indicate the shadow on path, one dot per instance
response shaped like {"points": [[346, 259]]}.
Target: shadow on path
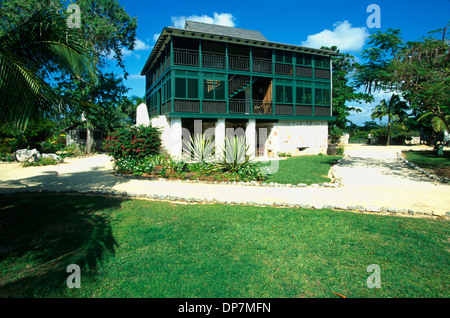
{"points": [[95, 178]]}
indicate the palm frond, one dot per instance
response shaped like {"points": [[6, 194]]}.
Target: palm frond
{"points": [[30, 54]]}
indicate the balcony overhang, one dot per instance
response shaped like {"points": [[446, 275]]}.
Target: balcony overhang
{"points": [[168, 32]]}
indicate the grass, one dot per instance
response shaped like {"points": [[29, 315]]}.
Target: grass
{"points": [[430, 160], [304, 169], [139, 248]]}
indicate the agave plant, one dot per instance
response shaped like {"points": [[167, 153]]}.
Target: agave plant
{"points": [[201, 147], [235, 155], [30, 54]]}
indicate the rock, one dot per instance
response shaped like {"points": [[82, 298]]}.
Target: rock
{"points": [[25, 155], [52, 156]]}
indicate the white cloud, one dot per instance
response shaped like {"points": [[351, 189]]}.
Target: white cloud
{"points": [[225, 19], [136, 77], [344, 36], [139, 45]]}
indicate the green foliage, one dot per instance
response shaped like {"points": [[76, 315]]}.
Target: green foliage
{"points": [[423, 73], [134, 142], [53, 144], [73, 150], [7, 157], [344, 89], [394, 109], [377, 73], [41, 162], [29, 56]]}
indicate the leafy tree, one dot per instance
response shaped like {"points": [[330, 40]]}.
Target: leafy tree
{"points": [[31, 53], [394, 109], [344, 91], [377, 73], [422, 70], [106, 29], [418, 70]]}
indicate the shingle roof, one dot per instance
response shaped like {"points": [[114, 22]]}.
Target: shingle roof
{"points": [[224, 30]]}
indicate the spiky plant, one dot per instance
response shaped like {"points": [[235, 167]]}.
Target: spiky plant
{"points": [[201, 147]]}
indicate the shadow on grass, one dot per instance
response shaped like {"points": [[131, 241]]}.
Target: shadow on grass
{"points": [[41, 235]]}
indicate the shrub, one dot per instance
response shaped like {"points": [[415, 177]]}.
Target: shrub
{"points": [[73, 150], [7, 157], [201, 147], [134, 142], [234, 156]]}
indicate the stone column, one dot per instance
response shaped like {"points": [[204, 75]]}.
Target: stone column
{"points": [[220, 137], [250, 136], [175, 137]]}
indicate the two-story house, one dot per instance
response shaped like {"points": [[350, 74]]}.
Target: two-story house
{"points": [[221, 79]]}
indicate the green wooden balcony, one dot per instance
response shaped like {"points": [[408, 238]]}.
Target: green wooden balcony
{"points": [[241, 108]]}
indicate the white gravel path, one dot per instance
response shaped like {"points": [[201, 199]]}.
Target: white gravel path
{"points": [[373, 180]]}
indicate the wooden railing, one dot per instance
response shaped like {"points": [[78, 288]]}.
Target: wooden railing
{"points": [[238, 63], [284, 69], [186, 57], [262, 65], [246, 107], [214, 107], [239, 106], [214, 60], [322, 111], [303, 71], [262, 107], [187, 106], [284, 109]]}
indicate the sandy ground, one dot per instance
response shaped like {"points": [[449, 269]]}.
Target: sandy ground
{"points": [[372, 177]]}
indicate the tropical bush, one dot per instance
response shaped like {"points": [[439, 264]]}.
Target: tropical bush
{"points": [[135, 142], [235, 164]]}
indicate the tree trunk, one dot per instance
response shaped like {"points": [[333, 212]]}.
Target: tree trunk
{"points": [[389, 131], [89, 138]]}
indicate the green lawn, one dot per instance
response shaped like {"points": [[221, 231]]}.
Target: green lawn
{"points": [[430, 160], [138, 248], [304, 169]]}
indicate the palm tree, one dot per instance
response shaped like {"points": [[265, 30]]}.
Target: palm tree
{"points": [[394, 109], [30, 55]]}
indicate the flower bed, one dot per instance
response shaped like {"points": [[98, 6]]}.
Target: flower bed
{"points": [[160, 166]]}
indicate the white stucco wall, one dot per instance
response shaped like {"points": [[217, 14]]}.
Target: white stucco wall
{"points": [[288, 135], [170, 139], [285, 136]]}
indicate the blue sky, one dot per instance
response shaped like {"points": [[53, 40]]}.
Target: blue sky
{"points": [[298, 22]]}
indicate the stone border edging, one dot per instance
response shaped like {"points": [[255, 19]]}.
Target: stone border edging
{"points": [[349, 208], [428, 174]]}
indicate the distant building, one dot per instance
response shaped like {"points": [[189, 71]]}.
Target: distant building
{"points": [[224, 78], [76, 135]]}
